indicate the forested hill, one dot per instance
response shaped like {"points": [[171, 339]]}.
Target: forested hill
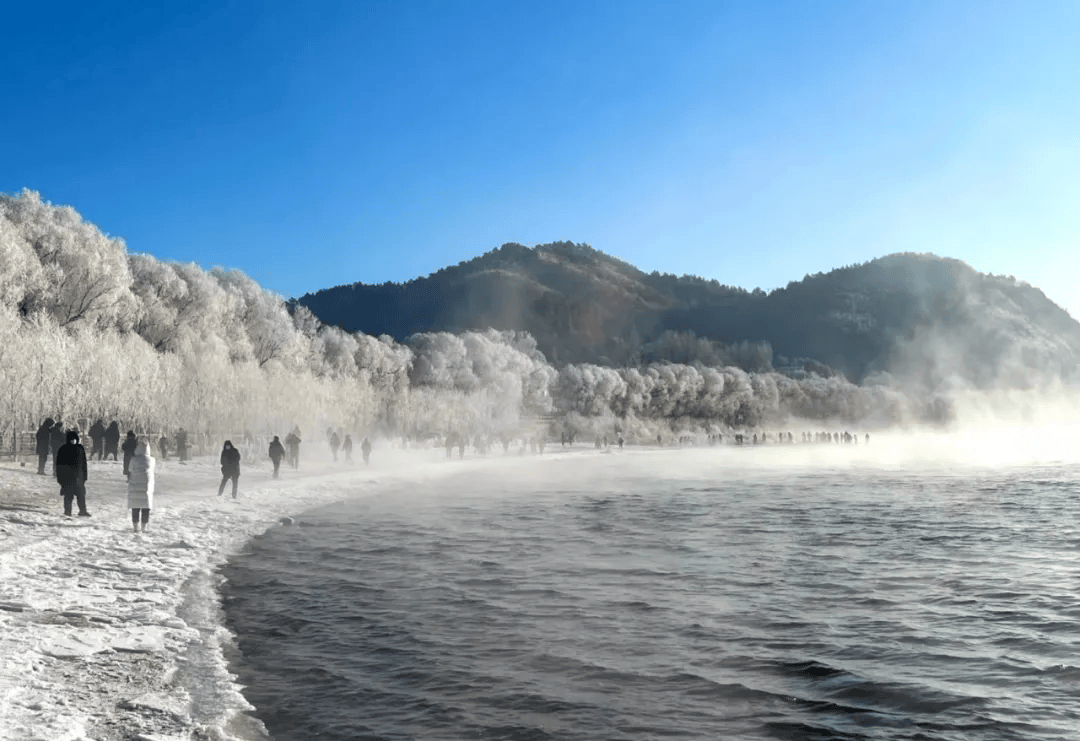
{"points": [[919, 316]]}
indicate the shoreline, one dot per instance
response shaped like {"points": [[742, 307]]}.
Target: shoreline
{"points": [[111, 635]]}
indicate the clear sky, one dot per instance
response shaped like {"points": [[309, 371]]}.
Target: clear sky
{"points": [[313, 144]]}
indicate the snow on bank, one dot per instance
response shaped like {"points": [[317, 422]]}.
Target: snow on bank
{"points": [[111, 635], [108, 634]]}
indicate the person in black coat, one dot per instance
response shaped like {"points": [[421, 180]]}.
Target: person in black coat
{"points": [[112, 440], [181, 444], [71, 473], [277, 452], [130, 442], [42, 446], [293, 441], [230, 467], [56, 441], [97, 439]]}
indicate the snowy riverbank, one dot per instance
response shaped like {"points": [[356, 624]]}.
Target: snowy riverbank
{"points": [[107, 634], [111, 635]]}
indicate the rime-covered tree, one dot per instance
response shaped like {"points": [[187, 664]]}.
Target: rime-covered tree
{"points": [[84, 274]]}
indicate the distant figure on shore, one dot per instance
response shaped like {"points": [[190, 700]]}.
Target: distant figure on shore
{"points": [[230, 467], [43, 446], [181, 445], [163, 447], [365, 449], [346, 448], [140, 489], [112, 440], [451, 440], [71, 473], [292, 442], [130, 443], [97, 439], [335, 443], [277, 452], [56, 440]]}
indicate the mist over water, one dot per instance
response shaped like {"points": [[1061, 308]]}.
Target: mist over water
{"points": [[806, 592]]}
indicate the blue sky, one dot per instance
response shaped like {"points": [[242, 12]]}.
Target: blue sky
{"points": [[312, 144]]}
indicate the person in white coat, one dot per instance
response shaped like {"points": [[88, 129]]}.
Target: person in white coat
{"points": [[141, 485]]}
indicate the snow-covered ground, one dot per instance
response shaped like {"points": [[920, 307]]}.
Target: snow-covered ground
{"points": [[108, 634], [111, 635]]}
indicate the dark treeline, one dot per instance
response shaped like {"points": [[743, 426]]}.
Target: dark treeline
{"points": [[923, 317]]}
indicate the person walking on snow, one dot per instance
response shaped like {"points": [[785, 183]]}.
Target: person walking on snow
{"points": [[71, 473], [365, 448], [140, 490], [97, 439], [230, 467], [346, 447], [277, 452], [130, 443], [335, 443], [42, 438], [293, 441], [112, 440], [181, 444]]}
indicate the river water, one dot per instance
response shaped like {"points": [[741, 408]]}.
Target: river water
{"points": [[690, 595]]}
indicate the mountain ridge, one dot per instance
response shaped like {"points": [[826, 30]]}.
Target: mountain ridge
{"points": [[927, 318]]}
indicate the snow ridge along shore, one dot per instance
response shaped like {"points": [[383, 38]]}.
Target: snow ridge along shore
{"points": [[110, 635]]}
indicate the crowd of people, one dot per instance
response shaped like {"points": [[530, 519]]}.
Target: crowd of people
{"points": [[69, 460], [70, 469]]}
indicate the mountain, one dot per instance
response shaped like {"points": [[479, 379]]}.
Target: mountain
{"points": [[924, 318]]}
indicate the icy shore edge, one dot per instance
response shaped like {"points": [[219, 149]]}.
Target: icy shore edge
{"points": [[108, 634]]}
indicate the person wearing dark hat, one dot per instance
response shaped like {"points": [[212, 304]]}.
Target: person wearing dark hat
{"points": [[71, 473], [277, 452], [230, 467]]}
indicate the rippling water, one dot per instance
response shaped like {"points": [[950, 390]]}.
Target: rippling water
{"points": [[613, 600]]}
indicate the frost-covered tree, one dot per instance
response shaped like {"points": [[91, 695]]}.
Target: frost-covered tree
{"points": [[269, 327], [84, 273], [20, 270], [159, 292], [89, 331]]}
